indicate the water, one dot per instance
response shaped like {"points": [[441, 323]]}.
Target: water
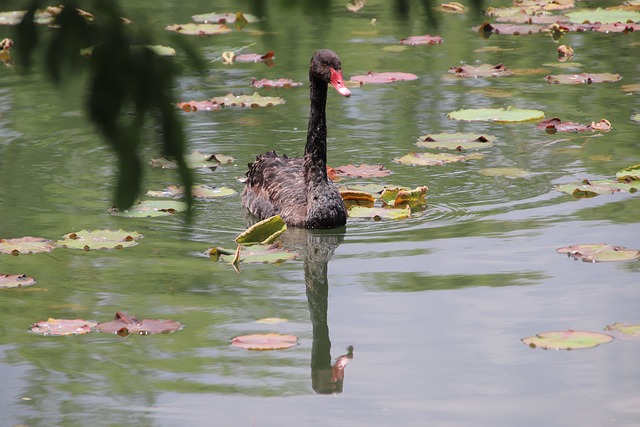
{"points": [[434, 306]]}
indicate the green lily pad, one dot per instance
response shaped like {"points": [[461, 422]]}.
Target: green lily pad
{"points": [[162, 50], [632, 173], [198, 29], [429, 159], [583, 78], [483, 70], [26, 245], [373, 189], [152, 208], [100, 239], [255, 254], [224, 18], [498, 115], [567, 340], [592, 188], [195, 160], [15, 280], [271, 341], [636, 117], [599, 252], [378, 213], [455, 141], [624, 330], [505, 172], [263, 232], [401, 196], [603, 16], [198, 191], [61, 327]]}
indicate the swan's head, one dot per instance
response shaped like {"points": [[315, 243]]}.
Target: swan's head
{"points": [[325, 65]]}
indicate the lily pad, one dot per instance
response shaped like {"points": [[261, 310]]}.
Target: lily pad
{"points": [[401, 197], [634, 87], [255, 254], [567, 340], [379, 213], [26, 245], [272, 320], [100, 239], [372, 77], [231, 100], [417, 40], [374, 189], [15, 280], [498, 115], [361, 198], [553, 125], [506, 172], [263, 342], [162, 50], [195, 160], [152, 208], [484, 70], [253, 57], [591, 188], [429, 159], [60, 327], [455, 141], [123, 324], [632, 173], [584, 78], [198, 191], [624, 330], [599, 252], [224, 18], [267, 83], [510, 29], [263, 232], [362, 171], [198, 29], [603, 16]]}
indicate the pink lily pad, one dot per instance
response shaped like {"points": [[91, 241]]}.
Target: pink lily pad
{"points": [[231, 100], [553, 125], [253, 57], [600, 252], [59, 327], [362, 171], [15, 280], [224, 18], [26, 245], [285, 83], [417, 40], [123, 324], [263, 342], [372, 77], [567, 340], [511, 29]]}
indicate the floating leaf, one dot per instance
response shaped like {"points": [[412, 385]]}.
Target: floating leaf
{"points": [[584, 78], [254, 254], [452, 7], [231, 100], [455, 141], [59, 327], [254, 57], [599, 252], [355, 5], [123, 324], [378, 214], [195, 160], [263, 232], [484, 70], [634, 87], [624, 330], [400, 196], [567, 340], [372, 77], [362, 171], [26, 245], [511, 29], [603, 16], [285, 83], [162, 50], [632, 173], [361, 198], [429, 159], [505, 172], [15, 280], [498, 115], [270, 341], [152, 208], [100, 239], [272, 320], [591, 188], [197, 191], [373, 189], [416, 40], [198, 29], [224, 18]]}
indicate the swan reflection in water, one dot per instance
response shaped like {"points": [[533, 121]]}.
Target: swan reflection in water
{"points": [[317, 248]]}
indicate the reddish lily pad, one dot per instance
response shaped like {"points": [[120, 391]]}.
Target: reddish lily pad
{"points": [[379, 213], [484, 70], [224, 18], [599, 252], [263, 342], [417, 40], [284, 83], [510, 29], [197, 191], [372, 77], [553, 125], [362, 171], [60, 327], [26, 245], [498, 115], [100, 239], [567, 340], [151, 208], [195, 160], [231, 100], [15, 280], [123, 324], [198, 29], [429, 159], [584, 78], [253, 57], [360, 198], [401, 196], [263, 232], [591, 188], [632, 173], [455, 141], [624, 330]]}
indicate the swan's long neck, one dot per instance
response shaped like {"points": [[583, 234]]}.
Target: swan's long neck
{"points": [[315, 151]]}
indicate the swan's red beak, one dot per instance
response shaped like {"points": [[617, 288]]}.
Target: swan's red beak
{"points": [[338, 83]]}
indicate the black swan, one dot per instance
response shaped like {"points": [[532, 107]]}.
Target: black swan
{"points": [[298, 189]]}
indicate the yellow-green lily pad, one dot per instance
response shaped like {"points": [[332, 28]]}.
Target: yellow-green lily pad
{"points": [[583, 78], [506, 172], [379, 213], [198, 29], [592, 188], [100, 239], [429, 159], [599, 252], [26, 245], [632, 173], [624, 330], [195, 160], [603, 16], [15, 280], [152, 208], [224, 18], [197, 191], [254, 254], [567, 340], [455, 141], [401, 196], [263, 232], [262, 342], [498, 115]]}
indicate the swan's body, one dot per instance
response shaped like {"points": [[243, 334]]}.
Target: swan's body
{"points": [[298, 189]]}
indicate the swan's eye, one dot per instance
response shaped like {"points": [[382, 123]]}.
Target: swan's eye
{"points": [[325, 64]]}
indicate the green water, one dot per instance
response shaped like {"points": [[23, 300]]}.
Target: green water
{"points": [[434, 306]]}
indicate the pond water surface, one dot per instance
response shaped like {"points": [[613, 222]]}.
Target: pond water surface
{"points": [[434, 306]]}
